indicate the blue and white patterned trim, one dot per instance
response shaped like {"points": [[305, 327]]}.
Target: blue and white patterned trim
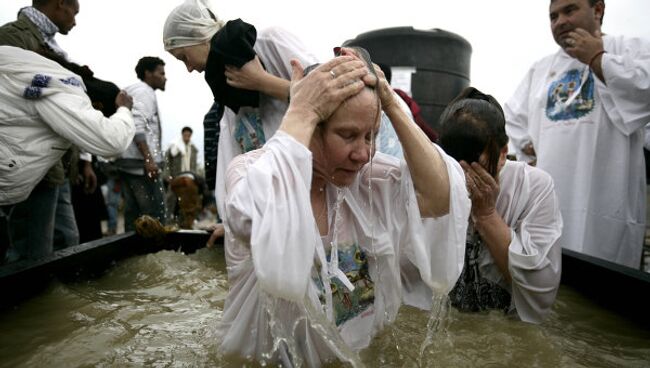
{"points": [[71, 81], [41, 80], [35, 90], [32, 93]]}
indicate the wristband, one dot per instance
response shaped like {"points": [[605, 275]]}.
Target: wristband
{"points": [[595, 56]]}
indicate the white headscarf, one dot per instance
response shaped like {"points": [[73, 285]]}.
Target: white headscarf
{"points": [[189, 24]]}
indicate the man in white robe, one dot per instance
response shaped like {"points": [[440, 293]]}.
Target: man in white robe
{"points": [[584, 109]]}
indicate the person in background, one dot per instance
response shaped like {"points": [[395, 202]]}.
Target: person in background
{"points": [[180, 159], [247, 72], [88, 202], [512, 259], [181, 155], [35, 30], [583, 109], [44, 109], [140, 165]]}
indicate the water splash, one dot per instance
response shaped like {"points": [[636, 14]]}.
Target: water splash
{"points": [[437, 327]]}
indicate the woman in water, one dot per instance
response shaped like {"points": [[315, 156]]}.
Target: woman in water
{"points": [[512, 261], [324, 237]]}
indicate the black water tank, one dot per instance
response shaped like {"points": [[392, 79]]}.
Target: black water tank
{"points": [[441, 60]]}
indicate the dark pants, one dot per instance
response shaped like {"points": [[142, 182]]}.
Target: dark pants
{"points": [[142, 196]]}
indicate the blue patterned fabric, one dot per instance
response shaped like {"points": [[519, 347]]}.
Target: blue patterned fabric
{"points": [[248, 130], [32, 93], [41, 80], [71, 81]]}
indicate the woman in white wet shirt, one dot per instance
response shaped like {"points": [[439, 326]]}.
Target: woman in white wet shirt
{"points": [[324, 241], [512, 259]]}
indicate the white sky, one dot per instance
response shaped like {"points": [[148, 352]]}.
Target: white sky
{"points": [[507, 36]]}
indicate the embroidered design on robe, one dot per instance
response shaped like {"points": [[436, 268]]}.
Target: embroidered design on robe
{"points": [[571, 96], [248, 131], [349, 304]]}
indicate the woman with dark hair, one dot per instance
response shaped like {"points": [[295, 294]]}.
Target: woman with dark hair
{"points": [[512, 262]]}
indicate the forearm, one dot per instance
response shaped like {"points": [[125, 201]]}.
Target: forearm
{"points": [[597, 67], [275, 87], [144, 150], [300, 124], [427, 167], [497, 236]]}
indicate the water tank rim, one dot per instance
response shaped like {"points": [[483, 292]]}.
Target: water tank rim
{"points": [[410, 31]]}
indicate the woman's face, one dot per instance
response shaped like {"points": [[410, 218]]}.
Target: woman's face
{"points": [[342, 144], [195, 57]]}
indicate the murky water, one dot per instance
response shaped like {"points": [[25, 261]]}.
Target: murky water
{"points": [[157, 311]]}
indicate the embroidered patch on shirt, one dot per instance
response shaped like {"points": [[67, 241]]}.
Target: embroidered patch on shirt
{"points": [[248, 131], [41, 80], [349, 304], [32, 93], [72, 81], [571, 96]]}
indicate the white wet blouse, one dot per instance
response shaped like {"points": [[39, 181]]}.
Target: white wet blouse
{"points": [[378, 253], [528, 204]]}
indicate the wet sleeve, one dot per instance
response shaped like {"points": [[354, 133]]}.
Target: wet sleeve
{"points": [[534, 259], [517, 114], [627, 75], [268, 206], [436, 246]]}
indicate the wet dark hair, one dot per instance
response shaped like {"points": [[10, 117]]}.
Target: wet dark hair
{"points": [[147, 63], [471, 124], [187, 129]]}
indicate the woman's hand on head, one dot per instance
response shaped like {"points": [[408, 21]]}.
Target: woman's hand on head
{"points": [[321, 92], [379, 81], [384, 89]]}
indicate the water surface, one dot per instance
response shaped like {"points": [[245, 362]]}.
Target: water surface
{"points": [[158, 310]]}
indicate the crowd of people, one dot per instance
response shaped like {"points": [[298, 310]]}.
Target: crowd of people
{"points": [[339, 203]]}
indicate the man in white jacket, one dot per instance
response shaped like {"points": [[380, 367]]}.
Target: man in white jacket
{"points": [[43, 110], [584, 109]]}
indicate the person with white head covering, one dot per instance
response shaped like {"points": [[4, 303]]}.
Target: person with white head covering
{"points": [[248, 73]]}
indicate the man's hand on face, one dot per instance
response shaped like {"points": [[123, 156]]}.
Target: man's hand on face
{"points": [[582, 45]]}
